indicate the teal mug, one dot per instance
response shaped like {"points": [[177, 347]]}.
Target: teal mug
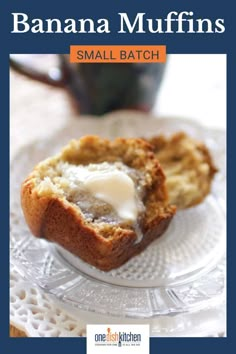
{"points": [[101, 88]]}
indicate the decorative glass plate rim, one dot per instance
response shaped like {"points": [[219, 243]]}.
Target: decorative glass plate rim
{"points": [[176, 304]]}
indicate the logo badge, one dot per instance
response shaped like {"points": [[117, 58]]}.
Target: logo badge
{"points": [[134, 339]]}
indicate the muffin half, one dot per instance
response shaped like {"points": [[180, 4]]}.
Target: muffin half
{"points": [[102, 200], [188, 167]]}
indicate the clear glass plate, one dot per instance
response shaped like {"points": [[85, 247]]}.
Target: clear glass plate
{"points": [[182, 271]]}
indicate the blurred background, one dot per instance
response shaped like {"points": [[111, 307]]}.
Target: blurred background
{"points": [[191, 86]]}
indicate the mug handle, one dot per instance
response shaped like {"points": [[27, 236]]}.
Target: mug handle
{"points": [[34, 74]]}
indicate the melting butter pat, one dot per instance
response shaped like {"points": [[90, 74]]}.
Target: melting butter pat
{"points": [[108, 183], [115, 188]]}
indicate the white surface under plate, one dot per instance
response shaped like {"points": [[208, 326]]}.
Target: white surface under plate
{"points": [[179, 274]]}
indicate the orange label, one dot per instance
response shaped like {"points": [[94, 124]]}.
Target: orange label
{"points": [[117, 54]]}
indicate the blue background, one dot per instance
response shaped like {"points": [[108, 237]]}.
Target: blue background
{"points": [[59, 43]]}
